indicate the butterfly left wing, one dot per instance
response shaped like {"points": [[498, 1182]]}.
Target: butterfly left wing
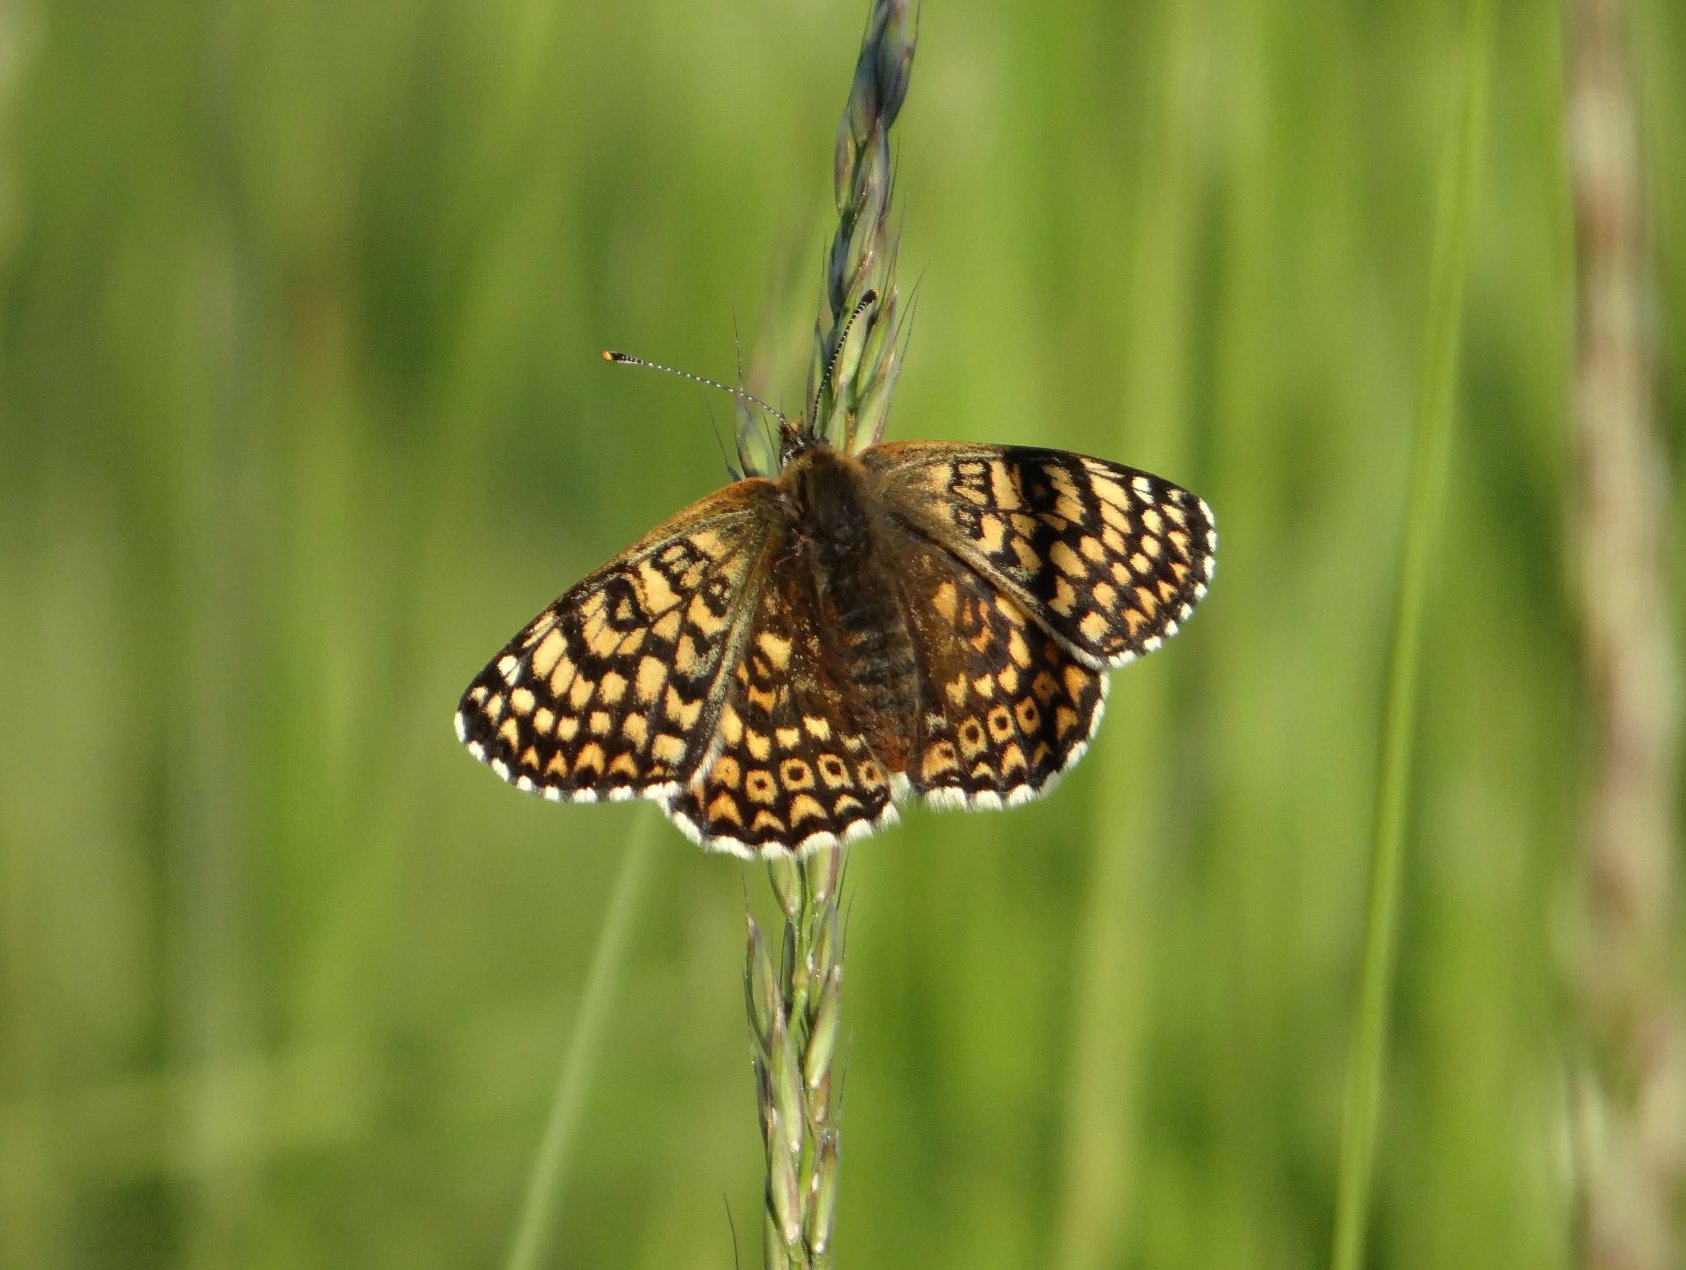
{"points": [[613, 690], [790, 768], [1107, 558]]}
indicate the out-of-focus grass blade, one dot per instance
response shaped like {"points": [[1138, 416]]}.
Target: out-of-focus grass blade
{"points": [[1449, 268]]}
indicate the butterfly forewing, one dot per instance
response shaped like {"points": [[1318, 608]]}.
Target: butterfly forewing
{"points": [[1108, 558], [613, 690]]}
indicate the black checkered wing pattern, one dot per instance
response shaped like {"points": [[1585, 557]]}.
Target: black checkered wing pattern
{"points": [[614, 690], [790, 768], [1108, 559], [1005, 708]]}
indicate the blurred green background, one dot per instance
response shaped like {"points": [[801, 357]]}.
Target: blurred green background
{"points": [[300, 307]]}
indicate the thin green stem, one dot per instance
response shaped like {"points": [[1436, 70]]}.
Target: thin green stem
{"points": [[1455, 212], [535, 1230]]}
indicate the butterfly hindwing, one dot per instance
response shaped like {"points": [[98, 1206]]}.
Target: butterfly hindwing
{"points": [[790, 768], [1004, 707]]}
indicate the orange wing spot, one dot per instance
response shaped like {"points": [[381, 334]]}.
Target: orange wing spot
{"points": [[1135, 619], [1029, 561], [1008, 676], [666, 627], [817, 727], [1152, 521], [971, 738], [1179, 540], [636, 728], [510, 732], [684, 713], [760, 786], [1113, 518], [1065, 719], [668, 748], [579, 692], [590, 758], [567, 728], [1093, 626], [598, 724], [651, 676], [871, 776], [654, 590], [1000, 723], [725, 810], [992, 533], [623, 765], [766, 822], [956, 690], [1091, 548], [709, 543], [730, 725], [544, 719], [1177, 515], [1028, 715], [1105, 594], [726, 772], [1069, 507], [1018, 650], [521, 700], [494, 707], [805, 807], [558, 766], [509, 665], [1064, 599], [1144, 597], [612, 688], [1045, 686], [788, 738], [940, 759], [1180, 571], [775, 648], [984, 686], [759, 745], [1167, 590], [530, 758], [1013, 759], [477, 694], [845, 804], [763, 699], [1076, 682], [946, 601], [796, 774], [1066, 560]]}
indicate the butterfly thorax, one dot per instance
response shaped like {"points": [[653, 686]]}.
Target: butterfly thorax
{"points": [[842, 540]]}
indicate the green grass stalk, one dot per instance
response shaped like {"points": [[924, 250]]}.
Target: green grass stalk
{"points": [[1459, 179], [535, 1228], [795, 1009]]}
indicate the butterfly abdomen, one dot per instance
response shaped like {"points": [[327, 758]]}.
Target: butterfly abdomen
{"points": [[855, 581]]}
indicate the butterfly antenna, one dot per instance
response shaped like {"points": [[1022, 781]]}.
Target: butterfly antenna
{"points": [[627, 359], [865, 303]]}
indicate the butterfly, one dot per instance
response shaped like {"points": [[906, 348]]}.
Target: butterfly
{"points": [[783, 660]]}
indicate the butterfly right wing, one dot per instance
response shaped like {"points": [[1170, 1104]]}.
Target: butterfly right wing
{"points": [[613, 691], [1107, 558]]}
